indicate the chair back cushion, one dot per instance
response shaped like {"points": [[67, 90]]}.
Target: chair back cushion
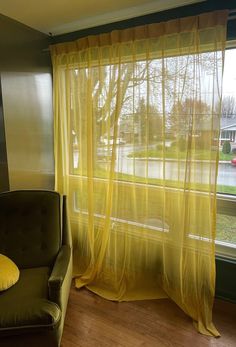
{"points": [[30, 227]]}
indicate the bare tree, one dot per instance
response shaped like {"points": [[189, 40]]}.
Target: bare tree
{"points": [[150, 122], [109, 91], [186, 116], [228, 107]]}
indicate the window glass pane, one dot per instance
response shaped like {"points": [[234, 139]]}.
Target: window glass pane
{"points": [[227, 165], [145, 128], [226, 228], [147, 138], [226, 223]]}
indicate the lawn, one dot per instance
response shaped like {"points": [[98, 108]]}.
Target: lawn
{"points": [[226, 228], [119, 176], [174, 154]]}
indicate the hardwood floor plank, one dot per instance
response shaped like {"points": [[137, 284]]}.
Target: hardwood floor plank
{"points": [[92, 321]]}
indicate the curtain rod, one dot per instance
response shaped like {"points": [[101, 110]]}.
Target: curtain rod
{"points": [[232, 14]]}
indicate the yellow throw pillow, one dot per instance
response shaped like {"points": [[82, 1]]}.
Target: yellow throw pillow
{"points": [[9, 273]]}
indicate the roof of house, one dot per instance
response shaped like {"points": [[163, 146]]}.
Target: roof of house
{"points": [[228, 123]]}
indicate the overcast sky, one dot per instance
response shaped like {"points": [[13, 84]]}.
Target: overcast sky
{"points": [[229, 79]]}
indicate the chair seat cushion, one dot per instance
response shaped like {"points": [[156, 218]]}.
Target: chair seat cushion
{"points": [[25, 306]]}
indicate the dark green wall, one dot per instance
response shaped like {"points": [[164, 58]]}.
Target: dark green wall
{"points": [[4, 181], [26, 80], [226, 279], [22, 58], [22, 47]]}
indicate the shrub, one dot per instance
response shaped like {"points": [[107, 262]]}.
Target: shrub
{"points": [[179, 144], [159, 147], [182, 144], [226, 149], [234, 150]]}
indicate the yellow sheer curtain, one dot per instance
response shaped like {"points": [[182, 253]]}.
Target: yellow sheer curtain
{"points": [[136, 152]]}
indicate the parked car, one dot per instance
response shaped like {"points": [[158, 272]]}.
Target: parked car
{"points": [[233, 161], [119, 141]]}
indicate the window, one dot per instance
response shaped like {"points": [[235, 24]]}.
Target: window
{"points": [[137, 140], [146, 128], [226, 216]]}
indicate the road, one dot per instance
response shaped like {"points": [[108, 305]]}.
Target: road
{"points": [[172, 170]]}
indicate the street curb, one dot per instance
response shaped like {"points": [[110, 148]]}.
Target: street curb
{"points": [[180, 160]]}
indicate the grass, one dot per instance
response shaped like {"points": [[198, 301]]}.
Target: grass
{"points": [[225, 226], [226, 189], [123, 177], [227, 157], [174, 154]]}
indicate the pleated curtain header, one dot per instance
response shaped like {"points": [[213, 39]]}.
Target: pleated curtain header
{"points": [[149, 31]]}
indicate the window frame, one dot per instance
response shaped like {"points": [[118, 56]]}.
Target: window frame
{"points": [[226, 204]]}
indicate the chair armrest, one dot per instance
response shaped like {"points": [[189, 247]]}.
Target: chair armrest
{"points": [[59, 271]]}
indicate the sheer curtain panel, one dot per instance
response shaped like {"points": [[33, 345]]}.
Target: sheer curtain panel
{"points": [[136, 152]]}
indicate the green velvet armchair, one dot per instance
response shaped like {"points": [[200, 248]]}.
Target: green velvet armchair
{"points": [[34, 234]]}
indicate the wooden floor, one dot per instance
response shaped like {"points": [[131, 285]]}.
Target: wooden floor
{"points": [[94, 322]]}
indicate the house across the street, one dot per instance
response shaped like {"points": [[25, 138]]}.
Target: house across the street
{"points": [[228, 129]]}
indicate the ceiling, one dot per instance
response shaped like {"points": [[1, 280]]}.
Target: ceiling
{"points": [[63, 16]]}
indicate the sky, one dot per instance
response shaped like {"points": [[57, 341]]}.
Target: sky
{"points": [[229, 77]]}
